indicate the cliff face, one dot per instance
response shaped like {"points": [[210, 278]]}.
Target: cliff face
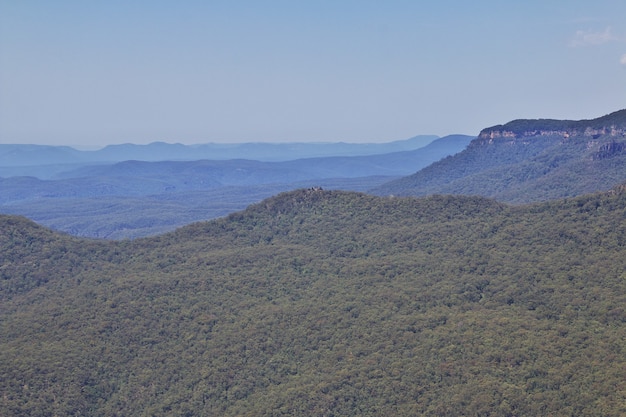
{"points": [[610, 149], [589, 132], [611, 125], [528, 161]]}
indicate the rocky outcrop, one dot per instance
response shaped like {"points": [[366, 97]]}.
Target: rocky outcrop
{"points": [[609, 150], [611, 125]]}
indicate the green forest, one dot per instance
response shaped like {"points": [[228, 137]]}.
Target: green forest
{"points": [[324, 303]]}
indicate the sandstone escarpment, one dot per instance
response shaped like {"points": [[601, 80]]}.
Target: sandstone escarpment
{"points": [[611, 125]]}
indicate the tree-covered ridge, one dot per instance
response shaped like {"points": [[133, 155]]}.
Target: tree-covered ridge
{"points": [[327, 303], [611, 123]]}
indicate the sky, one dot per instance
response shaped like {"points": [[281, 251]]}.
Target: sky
{"points": [[92, 73]]}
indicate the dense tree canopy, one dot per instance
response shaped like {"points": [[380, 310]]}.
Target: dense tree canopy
{"points": [[324, 303]]}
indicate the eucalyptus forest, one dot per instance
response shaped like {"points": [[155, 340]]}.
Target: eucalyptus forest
{"points": [[324, 303]]}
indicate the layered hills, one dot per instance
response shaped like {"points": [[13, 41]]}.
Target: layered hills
{"points": [[529, 160], [46, 161], [137, 198], [320, 302]]}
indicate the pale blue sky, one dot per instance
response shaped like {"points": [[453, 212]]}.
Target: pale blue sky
{"points": [[101, 72]]}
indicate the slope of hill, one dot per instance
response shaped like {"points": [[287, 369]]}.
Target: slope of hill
{"points": [[324, 303], [529, 160], [136, 198]]}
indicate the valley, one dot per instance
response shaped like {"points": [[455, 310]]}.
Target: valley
{"points": [[489, 282], [136, 198]]}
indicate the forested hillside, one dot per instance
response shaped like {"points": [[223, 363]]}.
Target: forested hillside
{"points": [[528, 161], [324, 303]]}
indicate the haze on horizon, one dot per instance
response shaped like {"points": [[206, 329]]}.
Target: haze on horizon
{"points": [[97, 73]]}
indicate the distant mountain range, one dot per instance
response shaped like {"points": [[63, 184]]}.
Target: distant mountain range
{"points": [[216, 173], [527, 161], [45, 161], [138, 198]]}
